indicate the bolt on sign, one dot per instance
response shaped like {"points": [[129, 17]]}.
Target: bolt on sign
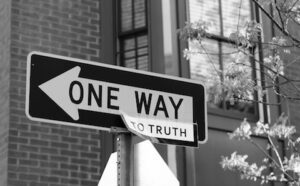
{"points": [[75, 92]]}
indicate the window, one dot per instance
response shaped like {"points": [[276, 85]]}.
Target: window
{"points": [[133, 34], [216, 52]]}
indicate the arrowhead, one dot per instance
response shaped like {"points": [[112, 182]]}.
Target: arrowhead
{"points": [[57, 89]]}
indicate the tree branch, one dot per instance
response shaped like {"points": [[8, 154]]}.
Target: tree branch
{"points": [[275, 23], [279, 14], [272, 159], [276, 152]]}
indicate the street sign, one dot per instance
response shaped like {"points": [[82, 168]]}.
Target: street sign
{"points": [[81, 93], [162, 131]]}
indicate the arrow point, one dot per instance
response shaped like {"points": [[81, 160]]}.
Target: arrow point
{"points": [[57, 89], [75, 115]]}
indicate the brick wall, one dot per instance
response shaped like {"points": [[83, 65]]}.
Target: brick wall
{"points": [[4, 86], [48, 154]]}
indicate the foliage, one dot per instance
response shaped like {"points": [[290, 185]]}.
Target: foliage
{"points": [[235, 80], [284, 169], [235, 84]]}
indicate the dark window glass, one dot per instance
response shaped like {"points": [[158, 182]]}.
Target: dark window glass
{"points": [[135, 52], [133, 34]]}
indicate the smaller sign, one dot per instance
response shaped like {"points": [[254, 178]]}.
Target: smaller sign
{"points": [[162, 131], [150, 168], [110, 174]]}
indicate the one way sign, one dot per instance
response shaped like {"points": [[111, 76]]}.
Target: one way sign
{"points": [[82, 93]]}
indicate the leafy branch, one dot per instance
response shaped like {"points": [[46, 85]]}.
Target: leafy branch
{"points": [[287, 167], [234, 82]]}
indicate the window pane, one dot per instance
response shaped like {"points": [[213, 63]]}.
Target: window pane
{"points": [[130, 62], [212, 11], [205, 61], [126, 15], [143, 51], [129, 52], [233, 17], [133, 14], [143, 63], [139, 14], [142, 40], [135, 52], [231, 55], [133, 34], [205, 65], [142, 48], [205, 10], [129, 44]]}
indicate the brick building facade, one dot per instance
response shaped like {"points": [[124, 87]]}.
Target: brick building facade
{"points": [[33, 153], [4, 86]]}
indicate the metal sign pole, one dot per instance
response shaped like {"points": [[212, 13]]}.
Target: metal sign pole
{"points": [[125, 157]]}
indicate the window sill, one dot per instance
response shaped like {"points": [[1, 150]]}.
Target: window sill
{"points": [[234, 114]]}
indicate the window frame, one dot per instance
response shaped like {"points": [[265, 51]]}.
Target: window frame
{"points": [[234, 114], [134, 33]]}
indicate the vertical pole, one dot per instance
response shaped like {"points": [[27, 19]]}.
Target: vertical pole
{"points": [[124, 150]]}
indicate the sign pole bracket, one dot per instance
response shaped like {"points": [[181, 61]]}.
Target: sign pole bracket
{"points": [[119, 130]]}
